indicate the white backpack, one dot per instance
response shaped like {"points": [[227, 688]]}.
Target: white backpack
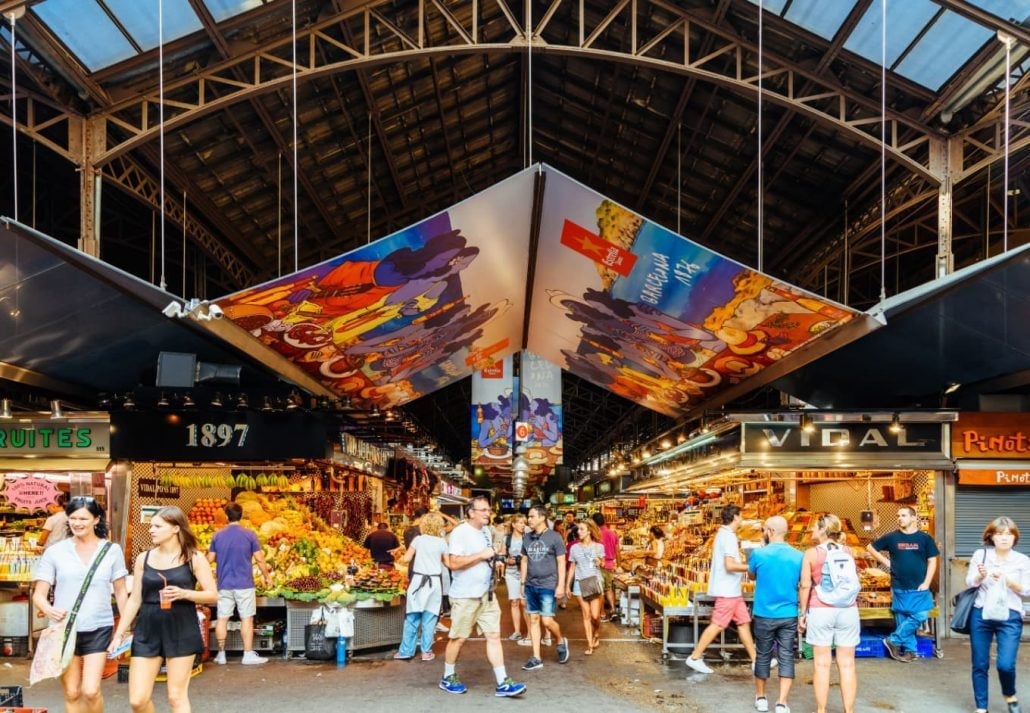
{"points": [[839, 584]]}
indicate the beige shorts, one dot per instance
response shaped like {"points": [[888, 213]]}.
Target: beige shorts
{"points": [[829, 626], [242, 600], [466, 614]]}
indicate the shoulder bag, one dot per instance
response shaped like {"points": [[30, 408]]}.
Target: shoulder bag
{"points": [[56, 644], [962, 606]]}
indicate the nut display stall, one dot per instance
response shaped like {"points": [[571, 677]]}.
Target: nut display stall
{"points": [[861, 467]]}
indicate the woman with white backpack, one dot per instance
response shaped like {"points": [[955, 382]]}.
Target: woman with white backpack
{"points": [[829, 615]]}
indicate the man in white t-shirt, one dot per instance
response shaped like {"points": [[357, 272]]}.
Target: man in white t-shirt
{"points": [[727, 572], [473, 602], [55, 528]]}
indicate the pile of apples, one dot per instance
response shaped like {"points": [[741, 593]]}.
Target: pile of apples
{"points": [[208, 511]]}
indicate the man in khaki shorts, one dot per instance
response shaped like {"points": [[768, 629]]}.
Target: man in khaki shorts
{"points": [[473, 602]]}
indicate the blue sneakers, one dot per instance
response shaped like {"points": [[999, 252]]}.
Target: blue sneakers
{"points": [[563, 651], [451, 684], [508, 689]]}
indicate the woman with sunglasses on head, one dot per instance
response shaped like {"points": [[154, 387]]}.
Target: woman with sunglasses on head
{"points": [[65, 566], [165, 596]]}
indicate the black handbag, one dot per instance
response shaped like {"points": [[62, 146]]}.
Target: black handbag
{"points": [[962, 607], [318, 646]]}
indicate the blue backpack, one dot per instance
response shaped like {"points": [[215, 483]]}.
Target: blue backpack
{"points": [[839, 583]]}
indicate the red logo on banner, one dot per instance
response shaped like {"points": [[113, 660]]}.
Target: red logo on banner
{"points": [[522, 431], [494, 371], [476, 359], [597, 248]]}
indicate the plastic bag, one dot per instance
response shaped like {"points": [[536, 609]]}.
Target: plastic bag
{"points": [[996, 601], [54, 651], [332, 624], [346, 618]]}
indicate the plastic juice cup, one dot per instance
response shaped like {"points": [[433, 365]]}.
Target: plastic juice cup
{"points": [[166, 602]]}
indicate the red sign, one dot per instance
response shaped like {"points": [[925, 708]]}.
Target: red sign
{"points": [[991, 435], [494, 371], [522, 431], [641, 501], [31, 492], [597, 248], [995, 476]]}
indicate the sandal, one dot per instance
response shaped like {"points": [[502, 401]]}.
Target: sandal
{"points": [[428, 656], [596, 642], [401, 657], [588, 652]]}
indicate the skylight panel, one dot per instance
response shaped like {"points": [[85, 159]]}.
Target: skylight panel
{"points": [[819, 16], [139, 18], [905, 20], [945, 47], [86, 30], [773, 6], [1018, 10], [224, 9]]}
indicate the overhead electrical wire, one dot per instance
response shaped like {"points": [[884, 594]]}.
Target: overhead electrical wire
{"points": [[161, 128]]}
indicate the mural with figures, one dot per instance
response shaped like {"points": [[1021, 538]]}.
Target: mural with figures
{"points": [[652, 316], [493, 421], [410, 313], [616, 299]]}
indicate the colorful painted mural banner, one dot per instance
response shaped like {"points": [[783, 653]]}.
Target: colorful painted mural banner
{"points": [[540, 409], [493, 415]]}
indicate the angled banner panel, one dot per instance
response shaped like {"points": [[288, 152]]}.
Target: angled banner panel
{"points": [[540, 409], [410, 313], [654, 317], [493, 390]]}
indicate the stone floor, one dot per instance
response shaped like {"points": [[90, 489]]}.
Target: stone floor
{"points": [[625, 674]]}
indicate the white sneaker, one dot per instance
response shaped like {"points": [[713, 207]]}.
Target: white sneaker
{"points": [[773, 663], [525, 641], [219, 658], [781, 708], [442, 629], [699, 665], [250, 658], [546, 641], [762, 704]]}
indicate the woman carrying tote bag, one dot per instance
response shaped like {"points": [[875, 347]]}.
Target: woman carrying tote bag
{"points": [[1002, 576]]}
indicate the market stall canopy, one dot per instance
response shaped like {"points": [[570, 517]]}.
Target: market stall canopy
{"points": [[74, 324], [948, 342], [538, 262]]}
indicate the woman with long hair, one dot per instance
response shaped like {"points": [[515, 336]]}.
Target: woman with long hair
{"points": [[656, 546], [585, 560], [827, 625], [64, 567], [425, 590], [997, 564], [512, 560], [165, 596]]}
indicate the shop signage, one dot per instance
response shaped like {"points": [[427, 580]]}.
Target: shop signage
{"points": [[152, 489], [54, 438], [991, 435], [843, 438], [198, 436], [604, 487], [994, 476], [30, 492]]}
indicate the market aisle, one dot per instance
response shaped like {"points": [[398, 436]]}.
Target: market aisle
{"points": [[625, 675]]}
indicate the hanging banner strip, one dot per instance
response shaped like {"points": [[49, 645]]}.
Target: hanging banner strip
{"points": [[492, 414], [540, 409]]}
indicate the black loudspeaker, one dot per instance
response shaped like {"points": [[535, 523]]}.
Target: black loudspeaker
{"points": [[176, 370], [562, 475], [218, 373]]}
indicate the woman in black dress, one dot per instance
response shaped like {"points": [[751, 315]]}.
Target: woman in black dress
{"points": [[165, 595]]}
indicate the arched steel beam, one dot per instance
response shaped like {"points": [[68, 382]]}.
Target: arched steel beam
{"points": [[728, 65]]}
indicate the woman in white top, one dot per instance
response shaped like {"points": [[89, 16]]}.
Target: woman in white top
{"points": [[425, 590], [585, 559], [512, 559], [64, 566], [997, 564]]}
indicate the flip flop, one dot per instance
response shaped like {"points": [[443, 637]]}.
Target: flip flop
{"points": [[588, 652]]}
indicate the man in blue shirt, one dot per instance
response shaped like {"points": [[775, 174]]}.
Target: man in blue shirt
{"points": [[234, 549], [777, 569], [912, 564]]}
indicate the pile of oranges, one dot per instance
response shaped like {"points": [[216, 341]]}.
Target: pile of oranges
{"points": [[208, 511]]}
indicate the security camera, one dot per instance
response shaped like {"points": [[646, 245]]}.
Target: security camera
{"points": [[215, 312], [174, 309]]}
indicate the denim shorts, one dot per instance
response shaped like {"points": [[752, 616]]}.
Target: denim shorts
{"points": [[539, 601]]}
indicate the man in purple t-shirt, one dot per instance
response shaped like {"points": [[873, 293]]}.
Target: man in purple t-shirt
{"points": [[234, 549]]}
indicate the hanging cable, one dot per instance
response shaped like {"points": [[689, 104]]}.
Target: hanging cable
{"points": [[14, 113], [679, 177], [883, 150], [161, 128], [184, 244], [529, 82], [1007, 40], [761, 196], [296, 165], [279, 214], [368, 189]]}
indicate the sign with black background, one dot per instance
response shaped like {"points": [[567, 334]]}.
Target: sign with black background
{"points": [[772, 438], [199, 436]]}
